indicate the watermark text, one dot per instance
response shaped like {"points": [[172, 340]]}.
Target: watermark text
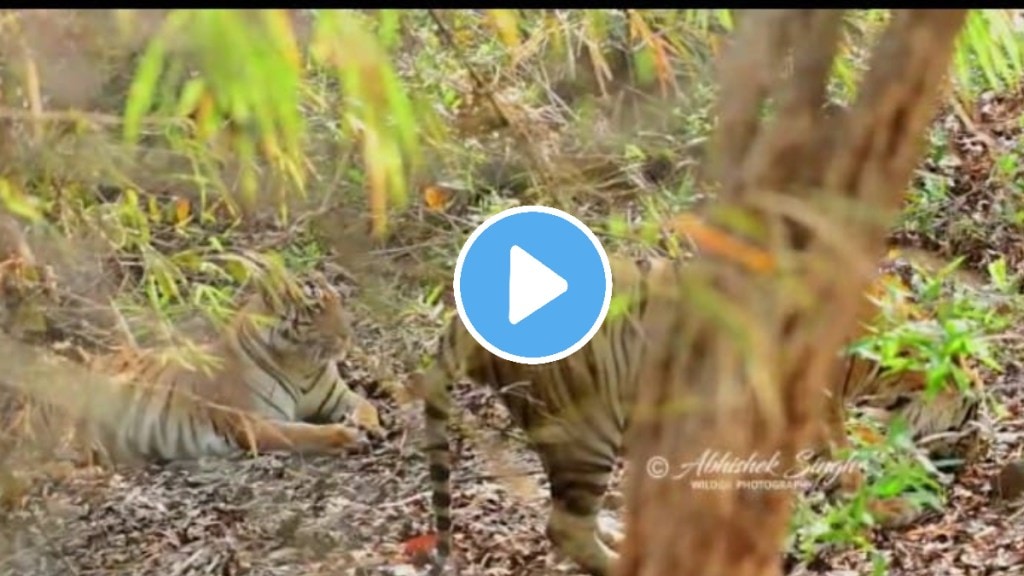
{"points": [[715, 470]]}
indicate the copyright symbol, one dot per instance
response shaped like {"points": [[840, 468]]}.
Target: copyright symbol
{"points": [[657, 467]]}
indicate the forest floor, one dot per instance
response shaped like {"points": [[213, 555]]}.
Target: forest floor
{"points": [[364, 513]]}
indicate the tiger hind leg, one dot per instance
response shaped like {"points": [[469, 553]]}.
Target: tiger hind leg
{"points": [[574, 526]]}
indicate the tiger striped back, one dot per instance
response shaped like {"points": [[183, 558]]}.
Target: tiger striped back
{"points": [[275, 368], [940, 422]]}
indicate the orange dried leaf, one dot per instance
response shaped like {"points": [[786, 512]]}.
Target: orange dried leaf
{"points": [[865, 434], [658, 51], [182, 210], [436, 197], [419, 545], [721, 244]]}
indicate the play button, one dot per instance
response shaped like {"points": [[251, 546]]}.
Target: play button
{"points": [[532, 284]]}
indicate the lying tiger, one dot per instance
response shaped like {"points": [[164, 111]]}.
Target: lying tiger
{"points": [[575, 410], [277, 372]]}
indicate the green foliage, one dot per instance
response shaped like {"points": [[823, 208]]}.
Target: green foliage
{"points": [[990, 52], [936, 326], [249, 73], [242, 77], [947, 326]]}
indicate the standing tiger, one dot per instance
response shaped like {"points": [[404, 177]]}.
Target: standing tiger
{"points": [[275, 368], [575, 412]]}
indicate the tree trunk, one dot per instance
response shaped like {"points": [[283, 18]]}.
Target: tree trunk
{"points": [[750, 341]]}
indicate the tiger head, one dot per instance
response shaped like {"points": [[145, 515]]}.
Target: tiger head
{"points": [[306, 317]]}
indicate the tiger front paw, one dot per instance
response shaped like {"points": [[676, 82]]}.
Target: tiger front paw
{"points": [[344, 438], [895, 512], [610, 531], [367, 418]]}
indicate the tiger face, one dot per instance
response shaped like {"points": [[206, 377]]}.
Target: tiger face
{"points": [[309, 318]]}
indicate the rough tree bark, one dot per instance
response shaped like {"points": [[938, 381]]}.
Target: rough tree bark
{"points": [[747, 348]]}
